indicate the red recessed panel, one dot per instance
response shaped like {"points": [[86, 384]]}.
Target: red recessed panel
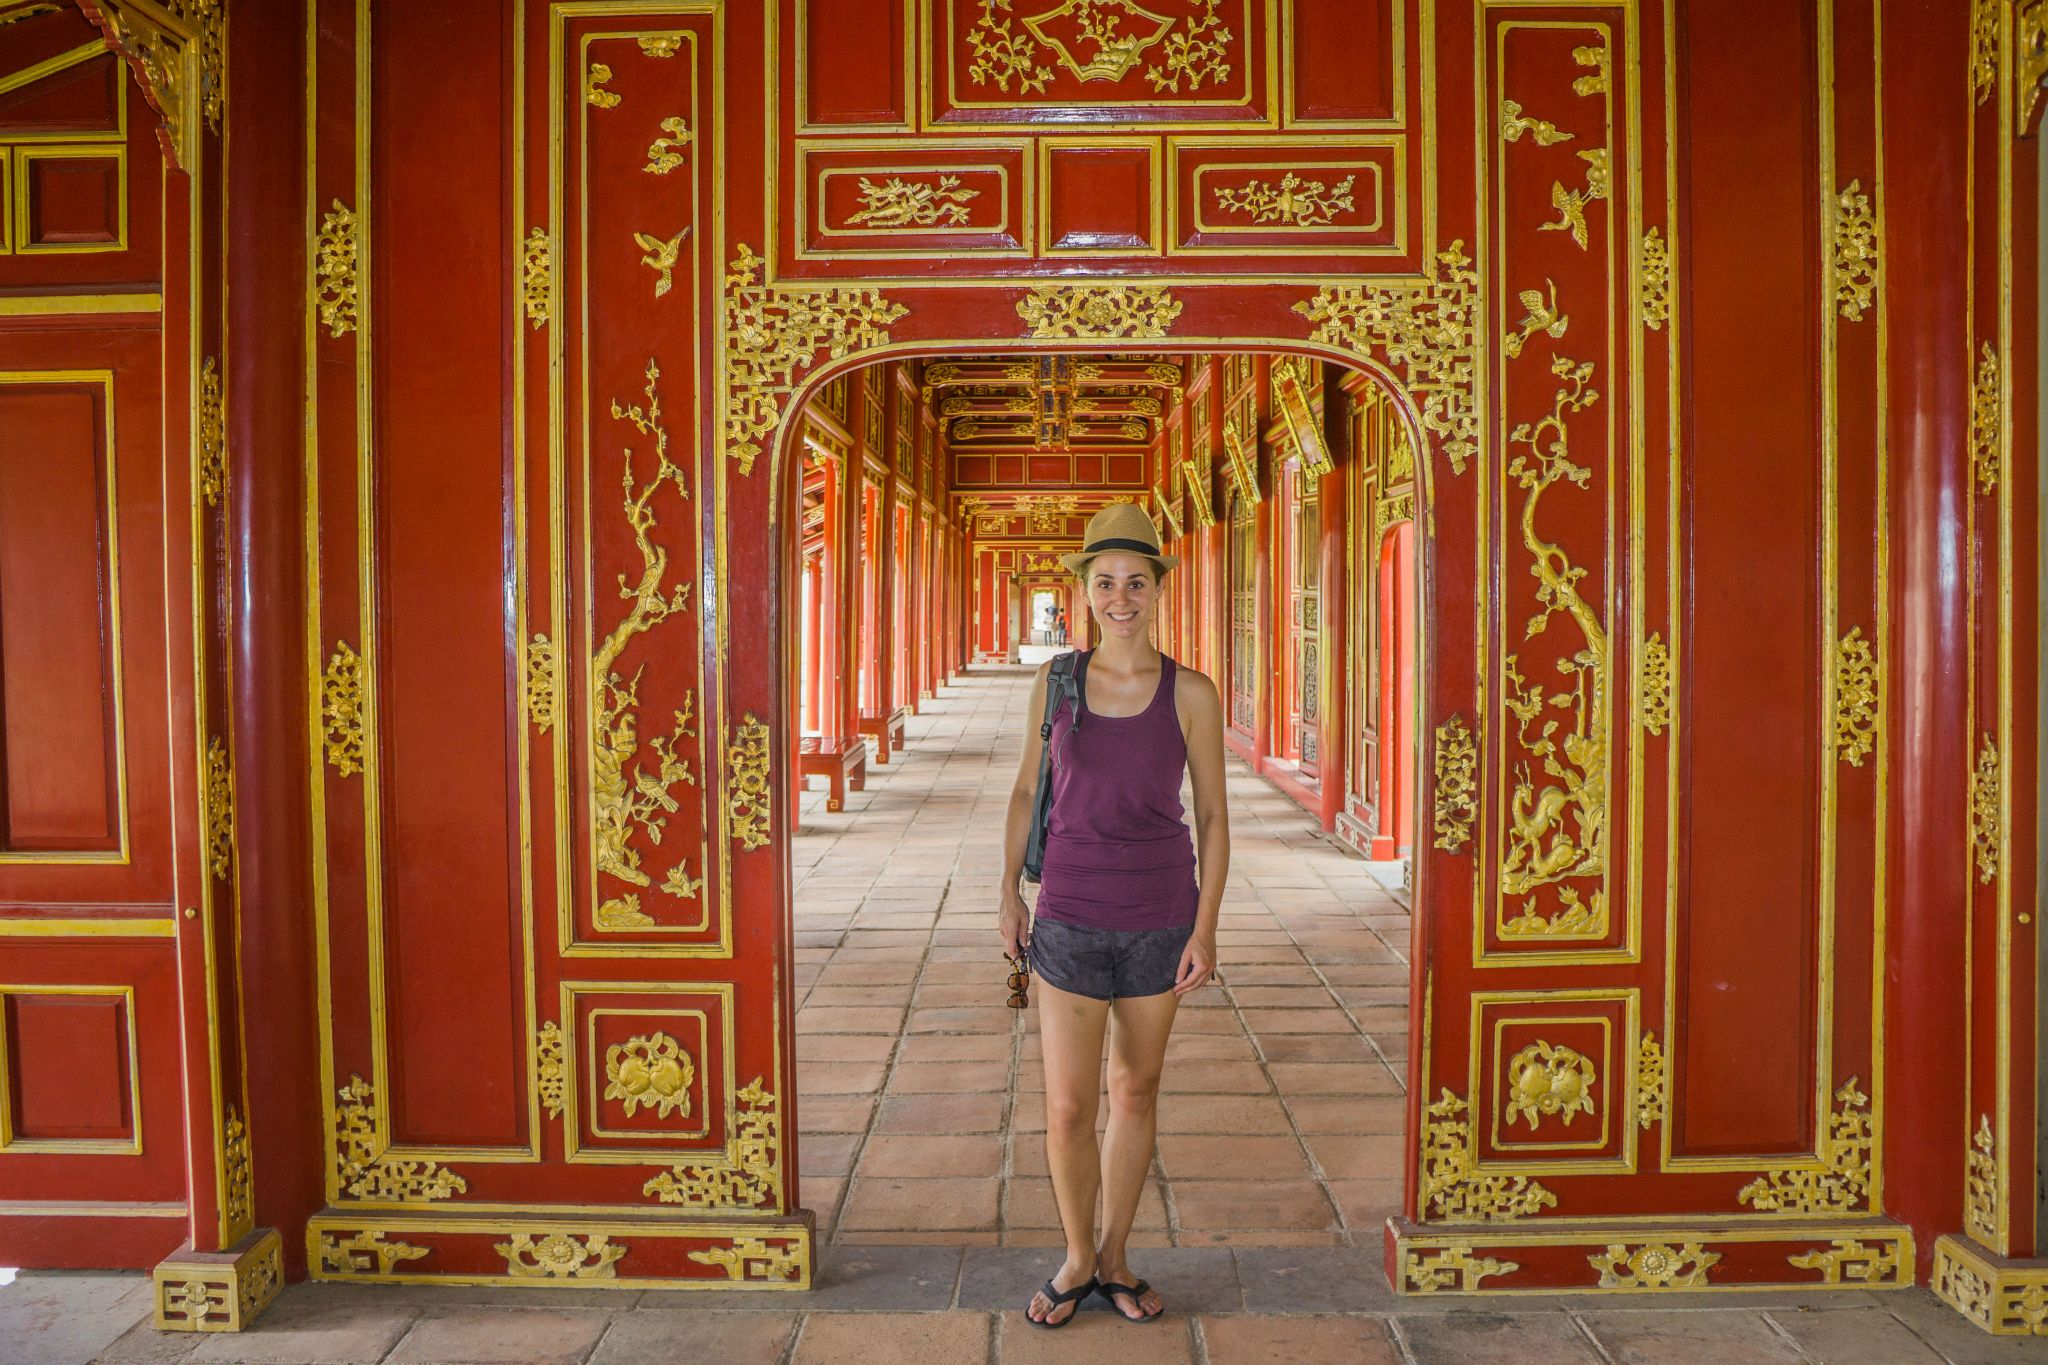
{"points": [[1126, 469], [1099, 199], [1048, 469], [853, 53], [72, 200], [1341, 60], [1009, 469], [1087, 469], [67, 1068], [866, 200]]}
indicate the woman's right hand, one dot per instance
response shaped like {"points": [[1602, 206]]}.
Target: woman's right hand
{"points": [[1013, 922]]}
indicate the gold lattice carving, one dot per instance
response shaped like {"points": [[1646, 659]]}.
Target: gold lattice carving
{"points": [[1842, 1182], [774, 333], [1980, 1190], [1987, 785], [238, 1183], [1294, 202], [594, 88], [540, 682], [652, 1070], [1652, 1086], [341, 708], [559, 1256], [1987, 411], [753, 1258], [366, 1253], [1452, 1187], [746, 779], [334, 292], [193, 1305], [1425, 333], [749, 1176], [1848, 1261], [633, 796], [900, 203], [1570, 205], [1855, 252], [665, 153], [1655, 1266], [212, 439], [1513, 123], [1546, 1079], [537, 276], [1557, 824], [551, 1068], [363, 1170], [1656, 684], [1457, 791], [220, 809], [1103, 310], [1984, 49], [1855, 697], [1452, 1269], [1656, 281]]}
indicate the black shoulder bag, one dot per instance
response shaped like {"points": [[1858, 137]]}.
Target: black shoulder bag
{"points": [[1063, 682]]}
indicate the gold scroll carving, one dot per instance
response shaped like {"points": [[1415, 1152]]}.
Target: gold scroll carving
{"points": [[537, 276], [748, 805], [1425, 333], [774, 333], [341, 709], [551, 1068], [238, 1187], [594, 88], [750, 1176], [1848, 1261], [1987, 785], [366, 1253], [1513, 123], [362, 1169], [2030, 51], [1984, 48], [1656, 684], [540, 682], [752, 1258], [334, 292], [212, 438], [1980, 1188], [665, 153], [219, 805], [1987, 410], [1653, 1093], [1842, 1184], [1656, 281], [1457, 792], [652, 1070], [1595, 81], [1452, 1187], [1654, 1266], [1547, 1079], [1855, 252], [1453, 1269], [559, 1256], [178, 49], [1113, 309], [1855, 697]]}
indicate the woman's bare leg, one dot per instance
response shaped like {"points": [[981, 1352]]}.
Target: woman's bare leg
{"points": [[1070, 1029], [1137, 1050]]}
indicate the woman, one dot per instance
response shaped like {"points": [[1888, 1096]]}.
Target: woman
{"points": [[1123, 928]]}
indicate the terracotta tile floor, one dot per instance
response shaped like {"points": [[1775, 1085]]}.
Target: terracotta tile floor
{"points": [[920, 1094]]}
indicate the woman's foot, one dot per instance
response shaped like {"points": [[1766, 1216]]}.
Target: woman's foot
{"points": [[1070, 1276], [1139, 1307]]}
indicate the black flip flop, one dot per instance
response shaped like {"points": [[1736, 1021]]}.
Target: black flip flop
{"points": [[1074, 1295], [1109, 1291]]}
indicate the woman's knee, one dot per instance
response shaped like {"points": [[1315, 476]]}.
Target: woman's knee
{"points": [[1069, 1117], [1133, 1092]]}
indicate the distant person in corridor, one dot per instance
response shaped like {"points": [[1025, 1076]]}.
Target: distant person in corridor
{"points": [[1124, 928]]}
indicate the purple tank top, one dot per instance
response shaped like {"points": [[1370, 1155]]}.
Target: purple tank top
{"points": [[1117, 854]]}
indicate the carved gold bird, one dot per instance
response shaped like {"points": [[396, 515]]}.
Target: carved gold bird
{"points": [[1543, 316], [661, 256], [1572, 206]]}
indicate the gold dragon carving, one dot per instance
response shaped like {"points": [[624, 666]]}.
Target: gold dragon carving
{"points": [[633, 797]]}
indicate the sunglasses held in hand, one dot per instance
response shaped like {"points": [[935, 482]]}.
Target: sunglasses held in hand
{"points": [[1020, 980]]}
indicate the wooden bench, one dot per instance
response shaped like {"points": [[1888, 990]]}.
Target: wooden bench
{"points": [[885, 731], [843, 766]]}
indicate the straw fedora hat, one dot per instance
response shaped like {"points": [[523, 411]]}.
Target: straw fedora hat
{"points": [[1119, 526]]}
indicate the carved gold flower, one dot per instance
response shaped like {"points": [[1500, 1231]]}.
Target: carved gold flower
{"points": [[651, 1070]]}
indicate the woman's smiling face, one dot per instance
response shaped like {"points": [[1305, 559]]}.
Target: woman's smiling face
{"points": [[1123, 591]]}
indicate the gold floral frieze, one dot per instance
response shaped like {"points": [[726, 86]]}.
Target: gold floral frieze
{"points": [[334, 289], [1099, 40], [342, 709], [1456, 766], [1107, 310], [900, 203], [537, 278], [748, 803], [1453, 1189], [1655, 280], [750, 1175], [1987, 414], [1654, 1266], [1855, 252], [1841, 1183], [1855, 698], [559, 1256], [1987, 784], [219, 806], [211, 441], [1294, 202]]}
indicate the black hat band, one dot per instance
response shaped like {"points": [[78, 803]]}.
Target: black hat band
{"points": [[1096, 547]]}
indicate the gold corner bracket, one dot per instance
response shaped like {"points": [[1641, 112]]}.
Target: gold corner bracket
{"points": [[2006, 1298], [218, 1291], [178, 51]]}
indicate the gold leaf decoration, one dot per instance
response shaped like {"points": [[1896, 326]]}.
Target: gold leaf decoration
{"points": [[661, 45], [1987, 786], [665, 153], [1987, 411], [366, 1253], [551, 1068], [363, 1172], [1457, 792], [178, 51], [661, 257], [1110, 309], [212, 440], [1962, 1287], [651, 1070], [559, 1256], [1294, 202], [219, 806], [335, 291], [1454, 1269], [536, 275], [1848, 1261], [752, 1258], [1546, 1079], [2030, 50], [341, 707], [1198, 494], [1655, 1266], [773, 333], [1541, 314], [748, 1177], [1841, 1184], [1452, 1187], [1513, 123], [1423, 332], [540, 682], [1656, 281], [1653, 1096], [1980, 1190], [747, 797], [1984, 49], [594, 90], [1571, 204], [1656, 684], [238, 1184], [899, 203], [1855, 697], [1594, 83], [1855, 252]]}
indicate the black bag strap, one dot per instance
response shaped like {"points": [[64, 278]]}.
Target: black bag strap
{"points": [[1063, 682]]}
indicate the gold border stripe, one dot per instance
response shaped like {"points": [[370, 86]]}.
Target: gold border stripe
{"points": [[89, 928], [63, 61], [65, 305]]}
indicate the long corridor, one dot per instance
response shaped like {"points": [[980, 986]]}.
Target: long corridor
{"points": [[920, 1091]]}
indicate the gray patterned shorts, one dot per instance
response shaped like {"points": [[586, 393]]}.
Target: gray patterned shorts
{"points": [[1107, 964]]}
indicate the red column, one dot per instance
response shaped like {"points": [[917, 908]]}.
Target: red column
{"points": [[814, 634]]}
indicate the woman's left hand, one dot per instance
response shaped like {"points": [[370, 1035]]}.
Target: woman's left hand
{"points": [[1197, 964]]}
